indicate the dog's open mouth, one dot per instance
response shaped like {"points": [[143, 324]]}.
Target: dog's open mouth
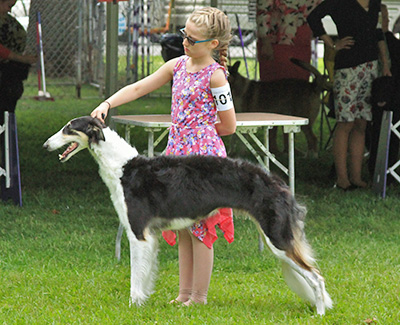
{"points": [[66, 153]]}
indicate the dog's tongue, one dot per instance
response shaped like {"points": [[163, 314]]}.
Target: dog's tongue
{"points": [[71, 148]]}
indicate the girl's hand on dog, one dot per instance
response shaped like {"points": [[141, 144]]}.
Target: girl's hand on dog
{"points": [[100, 111], [344, 43]]}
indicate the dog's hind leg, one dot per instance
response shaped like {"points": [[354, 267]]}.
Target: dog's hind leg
{"points": [[312, 141], [143, 267], [151, 257]]}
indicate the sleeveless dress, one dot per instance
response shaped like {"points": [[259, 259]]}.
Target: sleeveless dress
{"points": [[193, 115]]}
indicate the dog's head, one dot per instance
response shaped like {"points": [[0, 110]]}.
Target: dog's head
{"points": [[79, 134]]}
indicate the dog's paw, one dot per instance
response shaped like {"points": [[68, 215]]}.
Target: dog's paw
{"points": [[137, 299]]}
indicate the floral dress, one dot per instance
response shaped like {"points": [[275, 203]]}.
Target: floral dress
{"points": [[284, 22], [193, 115]]}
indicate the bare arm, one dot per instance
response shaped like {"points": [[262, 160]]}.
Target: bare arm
{"points": [[28, 59], [227, 119], [136, 90], [227, 124]]}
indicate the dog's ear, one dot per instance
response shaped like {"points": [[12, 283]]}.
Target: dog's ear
{"points": [[235, 67], [95, 131]]}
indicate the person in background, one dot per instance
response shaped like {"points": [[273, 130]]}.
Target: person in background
{"points": [[198, 122], [14, 64], [358, 47], [283, 33]]}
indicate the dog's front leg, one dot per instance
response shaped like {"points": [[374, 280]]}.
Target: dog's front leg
{"points": [[143, 267], [137, 296]]}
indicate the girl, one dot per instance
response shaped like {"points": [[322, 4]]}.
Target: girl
{"points": [[197, 80]]}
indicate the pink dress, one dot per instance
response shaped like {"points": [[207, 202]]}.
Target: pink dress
{"points": [[193, 115]]}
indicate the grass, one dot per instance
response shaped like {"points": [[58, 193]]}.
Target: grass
{"points": [[56, 252]]}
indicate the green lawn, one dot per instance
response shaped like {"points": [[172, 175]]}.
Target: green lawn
{"points": [[56, 252]]}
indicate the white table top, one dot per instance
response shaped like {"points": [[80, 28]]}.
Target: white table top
{"points": [[242, 119]]}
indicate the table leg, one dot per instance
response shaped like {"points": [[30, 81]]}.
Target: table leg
{"points": [[266, 144], [128, 134], [291, 161], [150, 144], [291, 130]]}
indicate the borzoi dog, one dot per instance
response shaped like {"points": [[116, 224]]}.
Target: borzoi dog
{"points": [[170, 192]]}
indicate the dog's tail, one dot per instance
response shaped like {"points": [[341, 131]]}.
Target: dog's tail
{"points": [[302, 253], [321, 81], [303, 289], [306, 66], [298, 262]]}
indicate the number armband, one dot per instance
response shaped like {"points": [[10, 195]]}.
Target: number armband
{"points": [[222, 97]]}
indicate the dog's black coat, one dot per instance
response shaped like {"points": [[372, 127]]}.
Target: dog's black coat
{"points": [[163, 187]]}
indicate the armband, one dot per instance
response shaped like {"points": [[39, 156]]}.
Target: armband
{"points": [[222, 97]]}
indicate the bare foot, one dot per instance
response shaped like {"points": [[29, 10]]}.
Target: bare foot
{"points": [[191, 302]]}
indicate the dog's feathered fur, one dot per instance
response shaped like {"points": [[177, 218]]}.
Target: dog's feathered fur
{"points": [[295, 97], [170, 192]]}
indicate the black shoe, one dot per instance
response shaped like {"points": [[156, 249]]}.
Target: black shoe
{"points": [[351, 187]]}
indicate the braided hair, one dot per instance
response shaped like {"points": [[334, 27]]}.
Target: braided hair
{"points": [[217, 26]]}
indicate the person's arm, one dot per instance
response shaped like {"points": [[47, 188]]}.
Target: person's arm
{"points": [[227, 118], [23, 58], [136, 90], [384, 59], [325, 8], [4, 52], [315, 17], [344, 43], [263, 10], [7, 54], [227, 124]]}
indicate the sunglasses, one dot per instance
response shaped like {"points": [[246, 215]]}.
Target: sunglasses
{"points": [[191, 41]]}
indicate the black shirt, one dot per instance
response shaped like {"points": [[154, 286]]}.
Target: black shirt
{"points": [[351, 19]]}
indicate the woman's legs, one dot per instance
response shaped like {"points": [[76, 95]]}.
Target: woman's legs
{"points": [[349, 137], [340, 149], [356, 147], [195, 268]]}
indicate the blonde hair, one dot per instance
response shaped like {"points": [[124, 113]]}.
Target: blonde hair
{"points": [[215, 25]]}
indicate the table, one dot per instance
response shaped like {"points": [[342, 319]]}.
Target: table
{"points": [[247, 126]]}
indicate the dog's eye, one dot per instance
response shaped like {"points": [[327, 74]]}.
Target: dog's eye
{"points": [[68, 130]]}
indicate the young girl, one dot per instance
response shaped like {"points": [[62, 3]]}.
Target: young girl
{"points": [[202, 110]]}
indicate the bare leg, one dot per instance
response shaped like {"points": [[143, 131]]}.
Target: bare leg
{"points": [[185, 266], [340, 147], [356, 147], [203, 259]]}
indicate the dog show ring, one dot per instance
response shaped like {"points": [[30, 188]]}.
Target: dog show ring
{"points": [[247, 124]]}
